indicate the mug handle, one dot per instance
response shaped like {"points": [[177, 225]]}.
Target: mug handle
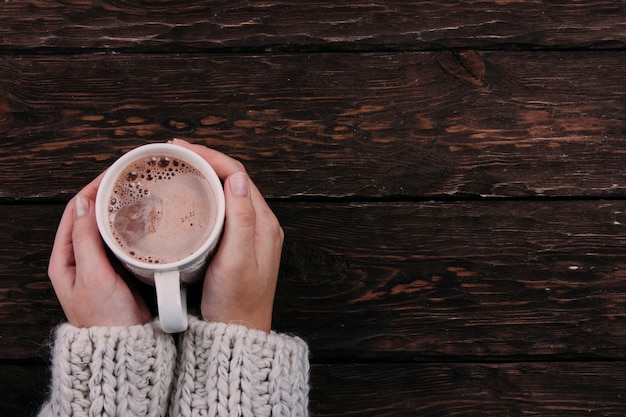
{"points": [[171, 301]]}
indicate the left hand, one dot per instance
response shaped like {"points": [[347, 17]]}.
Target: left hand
{"points": [[89, 289]]}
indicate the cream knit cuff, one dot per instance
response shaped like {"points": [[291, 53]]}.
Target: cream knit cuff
{"points": [[230, 370], [111, 371]]}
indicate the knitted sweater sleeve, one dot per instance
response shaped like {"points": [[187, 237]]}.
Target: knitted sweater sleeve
{"points": [[110, 371], [229, 370]]}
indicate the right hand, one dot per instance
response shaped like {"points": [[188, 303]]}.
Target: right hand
{"points": [[240, 281], [87, 285]]}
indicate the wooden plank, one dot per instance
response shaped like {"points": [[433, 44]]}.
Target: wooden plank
{"points": [[23, 388], [487, 280], [289, 25], [444, 389], [484, 279], [332, 125], [562, 389], [29, 309]]}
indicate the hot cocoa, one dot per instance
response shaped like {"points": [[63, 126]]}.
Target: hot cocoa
{"points": [[161, 209]]}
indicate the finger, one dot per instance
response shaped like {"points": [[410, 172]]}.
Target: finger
{"points": [[89, 251], [62, 263], [240, 223], [269, 235], [223, 165], [267, 222]]}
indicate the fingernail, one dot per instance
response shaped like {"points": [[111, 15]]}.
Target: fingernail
{"points": [[179, 140], [239, 185], [82, 206]]}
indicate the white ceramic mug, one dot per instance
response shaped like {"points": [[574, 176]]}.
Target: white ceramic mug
{"points": [[169, 277]]}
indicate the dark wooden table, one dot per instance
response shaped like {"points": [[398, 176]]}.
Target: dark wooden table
{"points": [[451, 178]]}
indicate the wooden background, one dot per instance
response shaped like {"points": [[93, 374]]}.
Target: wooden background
{"points": [[451, 178]]}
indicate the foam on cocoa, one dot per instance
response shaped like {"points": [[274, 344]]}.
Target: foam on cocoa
{"points": [[161, 209]]}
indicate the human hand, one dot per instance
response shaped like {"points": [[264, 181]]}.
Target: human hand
{"points": [[89, 289], [240, 281]]}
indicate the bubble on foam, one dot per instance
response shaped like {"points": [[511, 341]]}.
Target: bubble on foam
{"points": [[132, 176], [188, 219], [152, 169]]}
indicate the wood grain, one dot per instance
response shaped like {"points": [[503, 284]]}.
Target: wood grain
{"points": [[503, 296], [23, 388], [400, 281], [404, 125], [562, 389], [487, 279], [444, 389], [177, 26]]}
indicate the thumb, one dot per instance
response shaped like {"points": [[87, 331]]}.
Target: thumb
{"points": [[239, 229], [89, 251]]}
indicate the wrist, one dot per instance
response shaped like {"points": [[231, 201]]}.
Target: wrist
{"points": [[260, 321]]}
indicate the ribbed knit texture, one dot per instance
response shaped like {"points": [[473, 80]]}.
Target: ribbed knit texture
{"points": [[110, 371], [228, 370]]}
